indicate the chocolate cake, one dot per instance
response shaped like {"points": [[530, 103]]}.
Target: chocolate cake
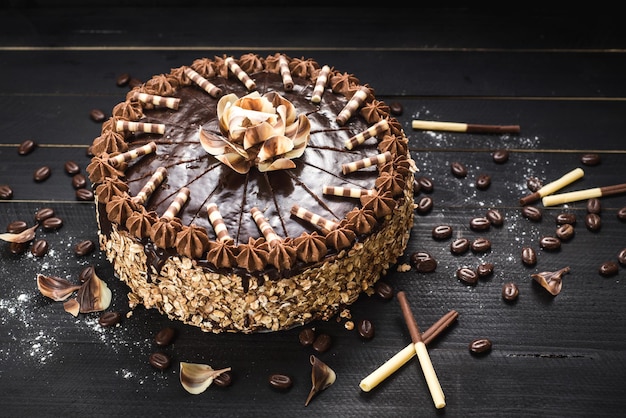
{"points": [[251, 194]]}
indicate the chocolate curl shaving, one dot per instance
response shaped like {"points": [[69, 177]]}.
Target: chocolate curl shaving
{"points": [[55, 288], [322, 377], [94, 295], [551, 280], [22, 237]]}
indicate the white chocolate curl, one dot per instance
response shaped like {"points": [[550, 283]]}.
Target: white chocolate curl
{"points": [[240, 74], [132, 154], [353, 192], [177, 204], [376, 129], [218, 222], [203, 83], [353, 104], [366, 162], [320, 84], [285, 73], [268, 232], [148, 188], [145, 127], [169, 102], [312, 218]]}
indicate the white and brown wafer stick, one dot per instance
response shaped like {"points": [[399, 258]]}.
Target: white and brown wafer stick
{"points": [[353, 104], [218, 222], [312, 218], [320, 84], [592, 193], [353, 192], [156, 100], [177, 204], [145, 127], [285, 73], [148, 188], [376, 129], [240, 74], [268, 232], [431, 125], [366, 162], [132, 154], [552, 187], [203, 83]]}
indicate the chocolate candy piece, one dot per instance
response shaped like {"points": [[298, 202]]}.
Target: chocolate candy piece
{"points": [[52, 224], [43, 214], [442, 232], [71, 168], [165, 336], [483, 181], [480, 223], [532, 213], [383, 290], [306, 337], [565, 232], [280, 381], [485, 270], [594, 205], [424, 205], [460, 246], [426, 184], [608, 269], [550, 243], [39, 248], [159, 360], [458, 169], [566, 218], [395, 108], [495, 217], [590, 159], [6, 192], [84, 195], [593, 222], [26, 147], [322, 343], [621, 257], [84, 247], [97, 115], [480, 346], [109, 319], [224, 379], [529, 257], [621, 214], [481, 245], [365, 329], [533, 184], [423, 262], [79, 181], [500, 156], [42, 174], [467, 275], [510, 291]]}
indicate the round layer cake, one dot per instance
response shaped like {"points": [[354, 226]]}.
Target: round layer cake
{"points": [[253, 193]]}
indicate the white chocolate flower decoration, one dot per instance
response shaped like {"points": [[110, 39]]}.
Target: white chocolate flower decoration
{"points": [[261, 131]]}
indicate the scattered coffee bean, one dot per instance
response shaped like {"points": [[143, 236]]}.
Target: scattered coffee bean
{"points": [[460, 246], [510, 291], [608, 268], [280, 381], [86, 274], [84, 195], [71, 168], [483, 181], [42, 174], [458, 169], [84, 247], [159, 360], [395, 108], [165, 336], [495, 217], [384, 290], [224, 379], [480, 223], [43, 214], [533, 184], [6, 193], [416, 187], [550, 243], [467, 275], [16, 227], [621, 257], [134, 82], [500, 156], [481, 245], [17, 248], [306, 337], [52, 224], [565, 232], [621, 214], [426, 184], [566, 218], [532, 213], [79, 181], [26, 147], [365, 329], [423, 262], [122, 79], [39, 248], [593, 222], [480, 346], [594, 205], [322, 343], [529, 257], [110, 319], [485, 270], [590, 159], [97, 115], [425, 205], [442, 232]]}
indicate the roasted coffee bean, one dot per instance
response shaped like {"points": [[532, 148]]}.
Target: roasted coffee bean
{"points": [[458, 169], [39, 248], [481, 245], [425, 205], [384, 290], [306, 337], [84, 247], [122, 79], [479, 224], [532, 212], [26, 147], [84, 195], [423, 262], [426, 184], [566, 218], [510, 291], [79, 181], [43, 214], [97, 115], [594, 205], [485, 270], [495, 217], [621, 257], [467, 275], [42, 174], [16, 227], [590, 159], [134, 82], [322, 343], [500, 156], [6, 193], [159, 360], [565, 232], [529, 257], [416, 187], [483, 181], [395, 108], [608, 268], [550, 243], [621, 214], [17, 248], [86, 274], [71, 168], [480, 346], [225, 379], [460, 246], [52, 224], [593, 222], [442, 232], [365, 329], [533, 184], [110, 319], [280, 381], [165, 336]]}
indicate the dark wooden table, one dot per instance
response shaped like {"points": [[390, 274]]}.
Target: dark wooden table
{"points": [[558, 74]]}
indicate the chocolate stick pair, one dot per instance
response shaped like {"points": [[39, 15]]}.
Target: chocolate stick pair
{"points": [[557, 199], [552, 187]]}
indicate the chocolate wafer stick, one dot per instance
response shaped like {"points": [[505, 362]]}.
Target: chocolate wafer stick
{"points": [[353, 104], [132, 154], [240, 74], [268, 232], [366, 162], [552, 187], [376, 129], [176, 204], [307, 215], [203, 83], [218, 222], [148, 188], [354, 192], [558, 199], [146, 127], [285, 73], [156, 100], [431, 125], [320, 84]]}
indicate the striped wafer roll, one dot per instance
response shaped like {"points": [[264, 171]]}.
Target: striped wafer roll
{"points": [[241, 74], [354, 192], [146, 127], [285, 73], [376, 129], [353, 104], [268, 232], [312, 218], [366, 162], [320, 84], [218, 223], [169, 102], [205, 84], [177, 204], [148, 188], [132, 154]]}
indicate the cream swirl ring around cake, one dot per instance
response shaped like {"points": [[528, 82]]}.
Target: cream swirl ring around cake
{"points": [[250, 250]]}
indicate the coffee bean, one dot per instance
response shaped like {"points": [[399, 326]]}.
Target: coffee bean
{"points": [[533, 184], [84, 247], [416, 187], [43, 214], [225, 379], [84, 195], [86, 274], [365, 329], [621, 214], [426, 184], [593, 222], [479, 224], [529, 257], [26, 147], [6, 193], [532, 213], [122, 79], [483, 181], [510, 291], [384, 290], [480, 346], [467, 275], [566, 218], [608, 268], [485, 270], [306, 337], [621, 257], [134, 82], [594, 205], [500, 156], [165, 336], [322, 343], [460, 246], [280, 381], [550, 243], [423, 262], [39, 248], [17, 248], [481, 245], [42, 174], [97, 115], [565, 232], [16, 227], [159, 360], [458, 169], [109, 319], [79, 181], [495, 217], [425, 205], [395, 108], [590, 159], [52, 224], [442, 232]]}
